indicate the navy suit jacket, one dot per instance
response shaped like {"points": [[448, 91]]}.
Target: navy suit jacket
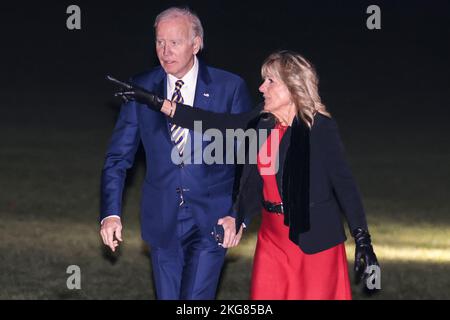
{"points": [[208, 188]]}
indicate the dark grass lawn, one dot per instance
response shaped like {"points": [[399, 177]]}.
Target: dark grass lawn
{"points": [[49, 204]]}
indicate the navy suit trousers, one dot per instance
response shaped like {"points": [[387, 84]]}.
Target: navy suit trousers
{"points": [[189, 269]]}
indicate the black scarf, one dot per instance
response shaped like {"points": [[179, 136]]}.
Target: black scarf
{"points": [[295, 175], [295, 183]]}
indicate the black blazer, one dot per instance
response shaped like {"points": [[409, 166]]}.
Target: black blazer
{"points": [[316, 156]]}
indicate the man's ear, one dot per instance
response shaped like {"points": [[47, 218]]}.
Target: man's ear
{"points": [[197, 41]]}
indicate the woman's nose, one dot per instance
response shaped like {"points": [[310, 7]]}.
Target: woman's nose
{"points": [[262, 88]]}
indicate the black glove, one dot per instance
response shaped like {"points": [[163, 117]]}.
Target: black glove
{"points": [[364, 254], [133, 92]]}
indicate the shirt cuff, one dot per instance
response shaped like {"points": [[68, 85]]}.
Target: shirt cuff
{"points": [[113, 215]]}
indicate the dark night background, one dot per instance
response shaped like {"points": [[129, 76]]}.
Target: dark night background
{"points": [[388, 90]]}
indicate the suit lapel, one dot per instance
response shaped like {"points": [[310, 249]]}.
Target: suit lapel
{"points": [[161, 87], [204, 94], [262, 122], [282, 152], [161, 90]]}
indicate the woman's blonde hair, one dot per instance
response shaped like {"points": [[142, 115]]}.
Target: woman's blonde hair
{"points": [[300, 77]]}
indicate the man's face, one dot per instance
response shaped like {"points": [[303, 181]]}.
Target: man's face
{"points": [[176, 46]]}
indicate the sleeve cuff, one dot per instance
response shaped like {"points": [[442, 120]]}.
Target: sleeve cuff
{"points": [[113, 215]]}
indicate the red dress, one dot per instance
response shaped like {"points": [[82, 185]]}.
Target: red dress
{"points": [[281, 270]]}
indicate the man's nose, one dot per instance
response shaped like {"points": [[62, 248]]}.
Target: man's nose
{"points": [[166, 50]]}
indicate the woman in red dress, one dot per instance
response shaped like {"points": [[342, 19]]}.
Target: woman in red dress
{"points": [[299, 180], [281, 270]]}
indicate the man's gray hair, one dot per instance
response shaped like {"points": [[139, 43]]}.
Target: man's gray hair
{"points": [[173, 12]]}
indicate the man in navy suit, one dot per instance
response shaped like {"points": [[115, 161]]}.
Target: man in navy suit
{"points": [[181, 201]]}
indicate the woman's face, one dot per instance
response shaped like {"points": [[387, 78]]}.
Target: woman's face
{"points": [[276, 94]]}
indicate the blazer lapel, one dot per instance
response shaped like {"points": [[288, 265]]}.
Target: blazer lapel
{"points": [[282, 152], [161, 90], [262, 122], [161, 87], [204, 94]]}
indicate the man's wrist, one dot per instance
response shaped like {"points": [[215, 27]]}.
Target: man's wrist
{"points": [[111, 216]]}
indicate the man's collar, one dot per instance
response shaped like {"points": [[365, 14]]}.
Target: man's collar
{"points": [[189, 78]]}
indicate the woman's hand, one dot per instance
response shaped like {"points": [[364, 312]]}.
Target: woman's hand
{"points": [[364, 254], [142, 96], [133, 92]]}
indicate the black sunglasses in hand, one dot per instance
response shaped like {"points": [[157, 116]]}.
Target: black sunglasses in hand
{"points": [[218, 233]]}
